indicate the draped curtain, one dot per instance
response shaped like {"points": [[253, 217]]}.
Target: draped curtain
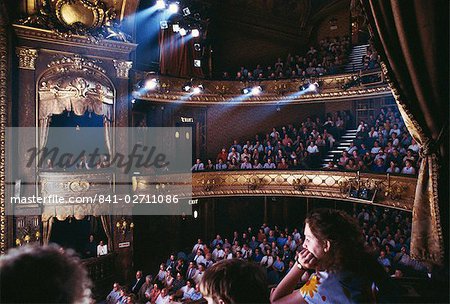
{"points": [[177, 54], [107, 227], [412, 39], [47, 229]]}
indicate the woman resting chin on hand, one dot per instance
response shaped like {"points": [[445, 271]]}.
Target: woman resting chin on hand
{"points": [[344, 271]]}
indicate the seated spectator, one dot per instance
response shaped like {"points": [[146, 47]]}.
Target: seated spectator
{"points": [[137, 283], [198, 166], [178, 282], [154, 294], [196, 295], [408, 169], [163, 297], [393, 168], [161, 276], [114, 295], [283, 165], [256, 164], [269, 164], [220, 166], [246, 165], [146, 288], [57, 276], [233, 165], [235, 281]]}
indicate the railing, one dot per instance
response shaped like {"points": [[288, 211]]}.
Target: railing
{"points": [[101, 271], [359, 85], [384, 190]]}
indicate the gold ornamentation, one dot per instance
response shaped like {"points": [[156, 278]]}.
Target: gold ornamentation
{"points": [[27, 58], [122, 68], [80, 14], [300, 183], [79, 186], [208, 184], [254, 183]]}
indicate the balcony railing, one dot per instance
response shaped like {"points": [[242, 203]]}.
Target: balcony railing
{"points": [[384, 190], [358, 85]]}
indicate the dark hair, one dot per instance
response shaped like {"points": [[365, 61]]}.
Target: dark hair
{"points": [[235, 281], [347, 251], [57, 276]]}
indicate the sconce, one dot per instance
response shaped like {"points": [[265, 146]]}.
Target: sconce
{"points": [[300, 184], [27, 233], [393, 190], [222, 90], [161, 187], [124, 227], [209, 184], [280, 89], [254, 183]]}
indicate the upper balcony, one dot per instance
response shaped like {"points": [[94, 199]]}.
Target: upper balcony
{"points": [[350, 86]]}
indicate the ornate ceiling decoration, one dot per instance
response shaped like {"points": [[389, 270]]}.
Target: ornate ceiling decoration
{"points": [[91, 18]]}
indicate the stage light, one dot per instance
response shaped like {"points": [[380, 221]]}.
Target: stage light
{"points": [[163, 24], [246, 90], [173, 8], [197, 47], [196, 90], [195, 214], [186, 11], [256, 90], [182, 32], [197, 63], [312, 87], [160, 4], [186, 88], [133, 101], [151, 84], [176, 28], [195, 33]]}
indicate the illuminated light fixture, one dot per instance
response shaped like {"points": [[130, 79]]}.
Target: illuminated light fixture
{"points": [[173, 8], [195, 33], [197, 47], [160, 4], [186, 88], [246, 90], [163, 24], [197, 90], [151, 84], [186, 11], [195, 213], [133, 101], [176, 28], [312, 87], [197, 63], [182, 32], [256, 90]]}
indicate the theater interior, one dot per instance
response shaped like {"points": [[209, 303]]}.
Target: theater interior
{"points": [[261, 111]]}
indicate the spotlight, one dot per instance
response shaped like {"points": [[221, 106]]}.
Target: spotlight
{"points": [[256, 90], [186, 11], [246, 91], [160, 4], [186, 88], [195, 33], [197, 47], [173, 8], [133, 101], [163, 25], [196, 90], [312, 87], [197, 63], [176, 28], [151, 84], [182, 32]]}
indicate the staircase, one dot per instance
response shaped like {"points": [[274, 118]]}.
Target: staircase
{"points": [[336, 152], [355, 59]]}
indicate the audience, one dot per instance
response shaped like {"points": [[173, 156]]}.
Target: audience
{"points": [[327, 58]]}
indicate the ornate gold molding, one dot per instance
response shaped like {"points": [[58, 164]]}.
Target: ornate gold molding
{"points": [[314, 184], [27, 58], [45, 35], [122, 68]]}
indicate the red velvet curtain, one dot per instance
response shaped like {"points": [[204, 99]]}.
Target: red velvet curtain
{"points": [[412, 38], [177, 54]]}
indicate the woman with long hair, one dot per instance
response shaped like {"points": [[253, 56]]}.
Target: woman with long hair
{"points": [[344, 271]]}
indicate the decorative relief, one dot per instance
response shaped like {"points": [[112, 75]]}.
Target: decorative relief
{"points": [[92, 18], [332, 185], [27, 58], [122, 68]]}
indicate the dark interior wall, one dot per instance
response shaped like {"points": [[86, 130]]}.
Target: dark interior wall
{"points": [[343, 22], [225, 123]]}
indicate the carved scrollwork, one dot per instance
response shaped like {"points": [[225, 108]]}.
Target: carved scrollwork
{"points": [[79, 186], [122, 68], [27, 58]]}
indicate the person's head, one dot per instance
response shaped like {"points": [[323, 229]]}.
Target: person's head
{"points": [[164, 292], [91, 238], [325, 239], [116, 286], [139, 273], [57, 276], [235, 281]]}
